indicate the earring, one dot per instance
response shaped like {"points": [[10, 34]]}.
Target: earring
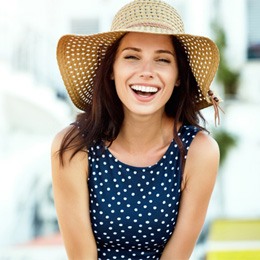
{"points": [[177, 83], [215, 102]]}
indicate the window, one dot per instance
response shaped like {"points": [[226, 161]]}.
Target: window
{"points": [[253, 11]]}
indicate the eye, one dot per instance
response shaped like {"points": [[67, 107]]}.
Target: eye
{"points": [[131, 57], [164, 60]]}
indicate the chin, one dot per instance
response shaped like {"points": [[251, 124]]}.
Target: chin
{"points": [[144, 111]]}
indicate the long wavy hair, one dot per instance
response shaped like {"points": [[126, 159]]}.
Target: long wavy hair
{"points": [[102, 119]]}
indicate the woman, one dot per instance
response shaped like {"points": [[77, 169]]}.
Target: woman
{"points": [[133, 175]]}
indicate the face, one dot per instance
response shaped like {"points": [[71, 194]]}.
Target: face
{"points": [[145, 72]]}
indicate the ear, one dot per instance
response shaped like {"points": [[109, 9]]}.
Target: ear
{"points": [[177, 83]]}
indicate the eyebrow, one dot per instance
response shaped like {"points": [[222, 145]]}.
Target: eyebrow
{"points": [[139, 50]]}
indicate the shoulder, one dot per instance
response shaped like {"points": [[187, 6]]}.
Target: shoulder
{"points": [[58, 139], [57, 147], [203, 146], [202, 159], [197, 140]]}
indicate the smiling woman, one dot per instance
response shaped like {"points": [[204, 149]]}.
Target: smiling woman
{"points": [[135, 169], [145, 63]]}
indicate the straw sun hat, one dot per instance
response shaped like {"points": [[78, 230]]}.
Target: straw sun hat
{"points": [[79, 55]]}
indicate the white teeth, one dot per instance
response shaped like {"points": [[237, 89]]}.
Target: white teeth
{"points": [[144, 88]]}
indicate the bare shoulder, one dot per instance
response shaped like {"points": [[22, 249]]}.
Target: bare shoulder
{"points": [[58, 138], [204, 146], [69, 159], [202, 159]]}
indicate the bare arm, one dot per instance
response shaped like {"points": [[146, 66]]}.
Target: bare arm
{"points": [[72, 202], [198, 183]]}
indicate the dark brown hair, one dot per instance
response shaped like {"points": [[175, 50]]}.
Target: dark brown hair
{"points": [[102, 120]]}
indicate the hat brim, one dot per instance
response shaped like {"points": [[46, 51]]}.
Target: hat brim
{"points": [[79, 56]]}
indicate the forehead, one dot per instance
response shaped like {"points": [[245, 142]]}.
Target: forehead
{"points": [[146, 41]]}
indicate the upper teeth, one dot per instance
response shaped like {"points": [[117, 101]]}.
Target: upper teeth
{"points": [[144, 88]]}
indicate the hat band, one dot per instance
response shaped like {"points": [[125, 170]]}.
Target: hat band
{"points": [[156, 25]]}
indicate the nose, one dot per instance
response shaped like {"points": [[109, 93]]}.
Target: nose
{"points": [[147, 70]]}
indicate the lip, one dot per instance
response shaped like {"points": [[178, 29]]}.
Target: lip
{"points": [[144, 98]]}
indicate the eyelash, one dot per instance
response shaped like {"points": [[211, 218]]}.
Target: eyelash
{"points": [[164, 60], [131, 57], [136, 58]]}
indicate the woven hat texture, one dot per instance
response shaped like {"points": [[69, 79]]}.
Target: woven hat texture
{"points": [[79, 55]]}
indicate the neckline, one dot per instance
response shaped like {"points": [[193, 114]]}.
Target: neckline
{"points": [[149, 167], [115, 159]]}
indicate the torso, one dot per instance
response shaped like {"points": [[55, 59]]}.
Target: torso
{"points": [[134, 209]]}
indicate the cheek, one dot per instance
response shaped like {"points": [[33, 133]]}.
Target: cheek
{"points": [[175, 82], [118, 72], [171, 83], [171, 79], [121, 75]]}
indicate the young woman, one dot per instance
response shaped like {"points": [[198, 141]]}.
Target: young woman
{"points": [[133, 175]]}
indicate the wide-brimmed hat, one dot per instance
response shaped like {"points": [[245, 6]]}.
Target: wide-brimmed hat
{"points": [[80, 55]]}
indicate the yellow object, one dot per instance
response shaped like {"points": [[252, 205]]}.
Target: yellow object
{"points": [[234, 240], [234, 255]]}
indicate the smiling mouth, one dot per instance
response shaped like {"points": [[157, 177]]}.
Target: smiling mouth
{"points": [[144, 90]]}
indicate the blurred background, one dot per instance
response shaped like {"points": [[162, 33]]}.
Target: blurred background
{"points": [[34, 106]]}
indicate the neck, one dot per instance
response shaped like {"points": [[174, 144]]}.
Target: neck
{"points": [[141, 133], [142, 141]]}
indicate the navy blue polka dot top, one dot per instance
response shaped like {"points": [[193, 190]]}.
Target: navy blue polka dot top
{"points": [[134, 210]]}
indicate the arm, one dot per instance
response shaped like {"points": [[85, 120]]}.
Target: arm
{"points": [[198, 183], [72, 202]]}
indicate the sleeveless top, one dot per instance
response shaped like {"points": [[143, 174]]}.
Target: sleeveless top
{"points": [[133, 210]]}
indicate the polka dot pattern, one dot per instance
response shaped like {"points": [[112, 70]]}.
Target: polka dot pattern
{"points": [[134, 209]]}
